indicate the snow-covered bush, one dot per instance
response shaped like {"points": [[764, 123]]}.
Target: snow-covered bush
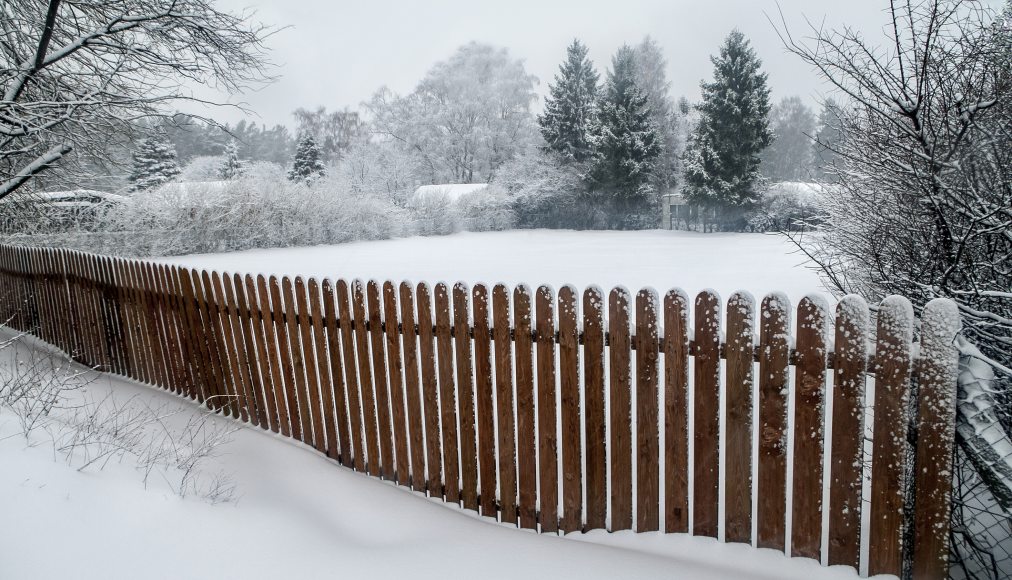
{"points": [[547, 194], [490, 209], [260, 209], [434, 214], [202, 168], [789, 206]]}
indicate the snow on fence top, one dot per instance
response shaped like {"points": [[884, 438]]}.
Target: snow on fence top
{"points": [[460, 393]]}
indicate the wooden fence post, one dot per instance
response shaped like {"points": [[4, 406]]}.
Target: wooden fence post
{"points": [[594, 408], [893, 366], [771, 487], [937, 368], [847, 447], [620, 399], [738, 418], [706, 416], [647, 409], [676, 412], [809, 427]]}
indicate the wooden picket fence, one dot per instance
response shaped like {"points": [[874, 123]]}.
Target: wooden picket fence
{"points": [[542, 409]]}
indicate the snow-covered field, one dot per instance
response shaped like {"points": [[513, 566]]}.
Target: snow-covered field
{"points": [[300, 515], [661, 259]]}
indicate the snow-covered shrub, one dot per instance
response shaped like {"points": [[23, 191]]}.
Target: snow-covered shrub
{"points": [[202, 168], [788, 206], [260, 209], [434, 214], [548, 194], [490, 209]]}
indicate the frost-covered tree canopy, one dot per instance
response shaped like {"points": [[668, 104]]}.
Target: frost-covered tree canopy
{"points": [[626, 143], [154, 163], [828, 136], [571, 106], [652, 79], [789, 156], [308, 163], [468, 115], [722, 159]]}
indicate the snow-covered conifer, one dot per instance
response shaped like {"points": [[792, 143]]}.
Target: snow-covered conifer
{"points": [[231, 167], [154, 163], [307, 164], [722, 159], [569, 109], [626, 143]]}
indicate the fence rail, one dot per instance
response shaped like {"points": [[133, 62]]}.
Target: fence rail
{"points": [[554, 411]]}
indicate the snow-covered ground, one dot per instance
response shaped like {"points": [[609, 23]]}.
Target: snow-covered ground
{"points": [[301, 515], [661, 259]]}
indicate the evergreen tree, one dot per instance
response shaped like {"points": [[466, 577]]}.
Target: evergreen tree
{"points": [[722, 159], [569, 110], [231, 167], [154, 163], [828, 137], [626, 143], [307, 164]]}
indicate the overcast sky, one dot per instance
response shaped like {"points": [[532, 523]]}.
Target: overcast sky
{"points": [[336, 53]]}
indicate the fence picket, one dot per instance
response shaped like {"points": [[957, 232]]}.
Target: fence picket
{"points": [[416, 422], [706, 416], [771, 484], [594, 408], [488, 472], [548, 459], [430, 397], [298, 397], [936, 408], [738, 418], [396, 374], [847, 457], [379, 373], [268, 350], [647, 406], [251, 363], [569, 371], [365, 382], [447, 395], [465, 396], [229, 352], [351, 375], [504, 403], [893, 362], [341, 447], [312, 366], [676, 412], [527, 466], [621, 410], [809, 410]]}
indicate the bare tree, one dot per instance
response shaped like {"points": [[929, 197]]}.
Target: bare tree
{"points": [[923, 208], [72, 73]]}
